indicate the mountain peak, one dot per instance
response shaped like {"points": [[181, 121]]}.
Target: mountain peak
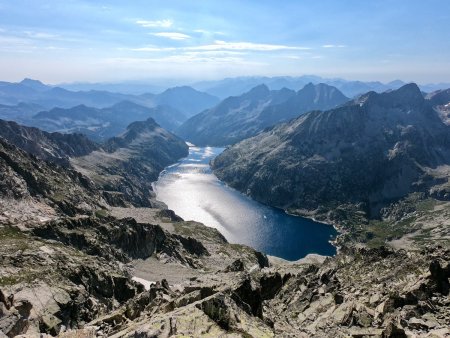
{"points": [[27, 81], [34, 84], [408, 95], [259, 90]]}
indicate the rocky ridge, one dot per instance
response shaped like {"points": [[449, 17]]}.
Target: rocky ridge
{"points": [[126, 166], [240, 117], [53, 147]]}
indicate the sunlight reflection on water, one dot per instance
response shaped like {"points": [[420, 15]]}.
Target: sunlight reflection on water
{"points": [[194, 192]]}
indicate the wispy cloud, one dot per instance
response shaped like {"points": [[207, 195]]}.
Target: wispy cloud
{"points": [[152, 49], [333, 46], [172, 35], [166, 23], [218, 45], [183, 59], [40, 35]]}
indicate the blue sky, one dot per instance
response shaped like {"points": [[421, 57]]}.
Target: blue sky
{"points": [[106, 41]]}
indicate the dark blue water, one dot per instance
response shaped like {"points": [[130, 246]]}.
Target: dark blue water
{"points": [[194, 192]]}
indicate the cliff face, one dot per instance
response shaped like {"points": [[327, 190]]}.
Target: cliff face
{"points": [[33, 189], [236, 118], [369, 153], [54, 147]]}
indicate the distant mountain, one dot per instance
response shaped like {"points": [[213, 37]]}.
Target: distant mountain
{"points": [[237, 118], [20, 112], [311, 97], [179, 102], [236, 86], [54, 147], [35, 85], [101, 124], [186, 99], [365, 154], [130, 88]]}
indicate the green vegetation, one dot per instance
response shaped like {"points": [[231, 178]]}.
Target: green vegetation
{"points": [[101, 213], [9, 232]]}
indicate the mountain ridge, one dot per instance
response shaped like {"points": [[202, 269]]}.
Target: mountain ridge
{"points": [[240, 117], [362, 156]]}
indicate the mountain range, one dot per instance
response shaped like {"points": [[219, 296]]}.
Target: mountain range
{"points": [[360, 157], [186, 99], [240, 117], [237, 85]]}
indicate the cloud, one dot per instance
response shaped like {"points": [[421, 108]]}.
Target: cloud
{"points": [[218, 45], [153, 49], [166, 23], [172, 35], [184, 58], [215, 52], [333, 46], [40, 35], [250, 46]]}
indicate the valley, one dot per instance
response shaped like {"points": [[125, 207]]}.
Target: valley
{"points": [[133, 231]]}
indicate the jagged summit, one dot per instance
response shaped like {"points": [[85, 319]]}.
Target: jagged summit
{"points": [[239, 117]]}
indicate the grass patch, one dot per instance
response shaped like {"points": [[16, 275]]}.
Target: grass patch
{"points": [[426, 205], [58, 197], [198, 231], [9, 232], [380, 232], [101, 213]]}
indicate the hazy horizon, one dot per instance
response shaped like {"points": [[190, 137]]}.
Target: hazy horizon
{"points": [[110, 41]]}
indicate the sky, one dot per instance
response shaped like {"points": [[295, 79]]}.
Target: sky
{"points": [[137, 40]]}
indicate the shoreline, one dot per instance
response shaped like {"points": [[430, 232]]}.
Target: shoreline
{"points": [[332, 241]]}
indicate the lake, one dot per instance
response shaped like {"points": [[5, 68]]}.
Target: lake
{"points": [[190, 188]]}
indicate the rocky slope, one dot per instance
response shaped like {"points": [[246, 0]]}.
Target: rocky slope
{"points": [[126, 166], [65, 263], [32, 190], [360, 157], [237, 118], [54, 147]]}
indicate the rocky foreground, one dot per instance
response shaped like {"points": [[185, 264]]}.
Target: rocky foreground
{"points": [[76, 262]]}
